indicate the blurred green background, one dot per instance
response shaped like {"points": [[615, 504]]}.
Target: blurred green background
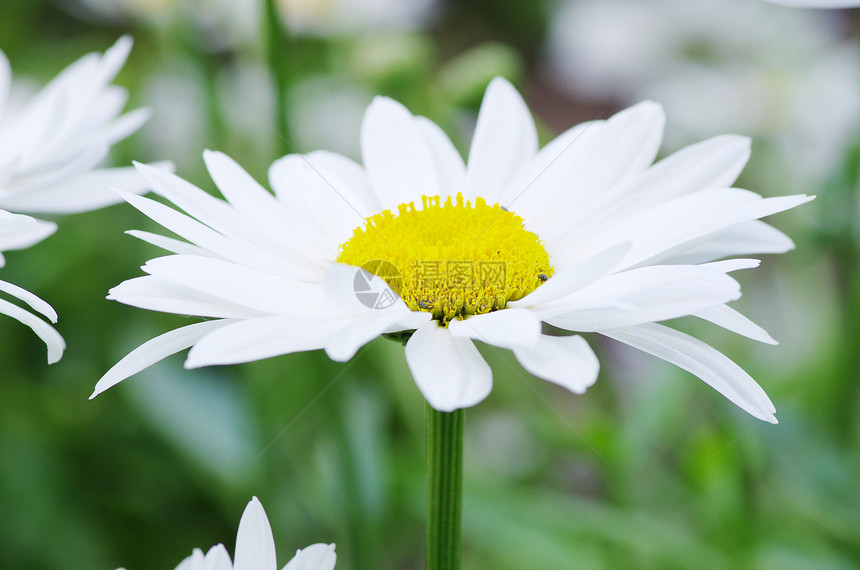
{"points": [[649, 469]]}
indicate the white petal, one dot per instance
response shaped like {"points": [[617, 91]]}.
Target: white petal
{"points": [[169, 244], [358, 292], [730, 265], [702, 360], [561, 194], [314, 557], [43, 330], [193, 562], [215, 213], [549, 162], [342, 171], [288, 247], [650, 294], [20, 232], [127, 124], [72, 167], [505, 139], [564, 360], [221, 245], [753, 237], [246, 195], [154, 351], [114, 58], [32, 300], [671, 228], [233, 282], [714, 163], [397, 159], [730, 319], [255, 545], [264, 337], [310, 189], [579, 275], [156, 294], [91, 191], [507, 328], [217, 559], [449, 371], [449, 163], [343, 344]]}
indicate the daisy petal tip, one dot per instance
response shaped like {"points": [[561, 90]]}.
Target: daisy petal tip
{"points": [[54, 356], [120, 49], [339, 353], [125, 41], [119, 192], [194, 360], [381, 101], [101, 387], [648, 107], [210, 155], [503, 85], [148, 169]]}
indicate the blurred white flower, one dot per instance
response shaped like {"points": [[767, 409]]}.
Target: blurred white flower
{"points": [[255, 549], [117, 10], [585, 235], [326, 113], [787, 77], [221, 24], [50, 146], [817, 3], [331, 17], [215, 24], [179, 129]]}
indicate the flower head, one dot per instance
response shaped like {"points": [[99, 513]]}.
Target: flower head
{"points": [[585, 235], [49, 148], [51, 145], [255, 549]]}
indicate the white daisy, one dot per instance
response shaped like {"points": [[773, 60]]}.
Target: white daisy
{"points": [[255, 549], [585, 234], [49, 147]]}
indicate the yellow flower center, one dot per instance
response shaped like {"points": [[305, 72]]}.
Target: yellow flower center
{"points": [[450, 259]]}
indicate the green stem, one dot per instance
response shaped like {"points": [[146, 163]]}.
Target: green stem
{"points": [[444, 489], [276, 48]]}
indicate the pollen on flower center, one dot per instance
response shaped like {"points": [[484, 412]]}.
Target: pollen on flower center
{"points": [[451, 259]]}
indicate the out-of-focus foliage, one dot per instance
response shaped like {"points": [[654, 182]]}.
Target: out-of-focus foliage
{"points": [[649, 469]]}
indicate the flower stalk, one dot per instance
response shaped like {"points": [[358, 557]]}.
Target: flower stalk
{"points": [[444, 489], [277, 44]]}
